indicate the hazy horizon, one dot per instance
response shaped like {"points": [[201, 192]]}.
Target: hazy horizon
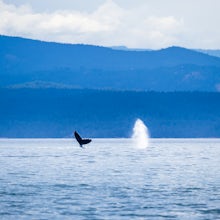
{"points": [[115, 47]]}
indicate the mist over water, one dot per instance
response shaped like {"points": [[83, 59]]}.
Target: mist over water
{"points": [[140, 134]]}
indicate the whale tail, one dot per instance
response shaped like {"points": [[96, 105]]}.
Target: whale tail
{"points": [[80, 140]]}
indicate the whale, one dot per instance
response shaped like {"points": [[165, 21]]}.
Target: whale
{"points": [[80, 140]]}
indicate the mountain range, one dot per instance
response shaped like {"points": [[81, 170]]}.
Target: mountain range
{"points": [[26, 63], [50, 89], [210, 52]]}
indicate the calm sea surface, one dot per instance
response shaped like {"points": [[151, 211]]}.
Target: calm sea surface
{"points": [[109, 179]]}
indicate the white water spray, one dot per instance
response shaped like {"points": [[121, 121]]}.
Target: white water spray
{"points": [[140, 134]]}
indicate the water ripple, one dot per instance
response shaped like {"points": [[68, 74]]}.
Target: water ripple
{"points": [[171, 179]]}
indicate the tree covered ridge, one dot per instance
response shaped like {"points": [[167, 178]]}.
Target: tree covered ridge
{"points": [[106, 113]]}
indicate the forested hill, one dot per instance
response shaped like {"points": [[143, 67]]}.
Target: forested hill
{"points": [[98, 113], [31, 63]]}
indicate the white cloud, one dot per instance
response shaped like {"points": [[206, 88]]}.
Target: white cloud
{"points": [[22, 21], [109, 24]]}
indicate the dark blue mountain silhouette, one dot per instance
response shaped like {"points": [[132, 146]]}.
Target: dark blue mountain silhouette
{"points": [[27, 63], [42, 100]]}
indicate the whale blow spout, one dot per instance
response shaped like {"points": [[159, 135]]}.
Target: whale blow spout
{"points": [[140, 134]]}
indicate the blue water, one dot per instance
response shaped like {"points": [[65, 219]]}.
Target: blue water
{"points": [[110, 179]]}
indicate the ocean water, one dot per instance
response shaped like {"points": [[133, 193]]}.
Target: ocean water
{"points": [[109, 179]]}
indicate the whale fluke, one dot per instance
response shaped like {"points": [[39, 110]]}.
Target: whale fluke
{"points": [[80, 140]]}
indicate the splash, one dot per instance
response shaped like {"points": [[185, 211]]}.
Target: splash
{"points": [[140, 134]]}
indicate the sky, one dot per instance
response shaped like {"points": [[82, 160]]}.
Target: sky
{"points": [[147, 24]]}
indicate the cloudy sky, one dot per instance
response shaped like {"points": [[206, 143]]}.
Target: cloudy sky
{"points": [[149, 24]]}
